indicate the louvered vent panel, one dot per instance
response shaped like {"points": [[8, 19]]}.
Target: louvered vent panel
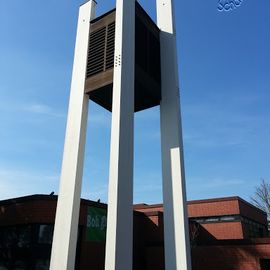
{"points": [[96, 52], [101, 58], [110, 45]]}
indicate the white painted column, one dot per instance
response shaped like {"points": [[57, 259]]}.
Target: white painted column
{"points": [[68, 205], [176, 229], [120, 196]]}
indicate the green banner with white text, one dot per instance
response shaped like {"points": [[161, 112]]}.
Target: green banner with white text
{"points": [[96, 224]]}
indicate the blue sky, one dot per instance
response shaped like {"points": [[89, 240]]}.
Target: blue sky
{"points": [[224, 67]]}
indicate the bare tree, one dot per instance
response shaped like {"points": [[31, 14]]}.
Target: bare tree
{"points": [[261, 197], [194, 229]]}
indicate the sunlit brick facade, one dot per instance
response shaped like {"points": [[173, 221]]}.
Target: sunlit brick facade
{"points": [[226, 234]]}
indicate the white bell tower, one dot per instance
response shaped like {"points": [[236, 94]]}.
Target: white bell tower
{"points": [[124, 87]]}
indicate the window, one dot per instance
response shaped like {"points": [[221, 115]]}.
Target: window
{"points": [[45, 234], [15, 236], [254, 228], [216, 219], [24, 247], [265, 264], [42, 264], [228, 218]]}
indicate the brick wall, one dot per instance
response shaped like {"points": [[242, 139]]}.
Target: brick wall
{"points": [[30, 211], [213, 208], [148, 233], [240, 257], [224, 230]]}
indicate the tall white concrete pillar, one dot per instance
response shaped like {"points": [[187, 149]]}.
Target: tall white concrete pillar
{"points": [[176, 229], [120, 195], [68, 205]]}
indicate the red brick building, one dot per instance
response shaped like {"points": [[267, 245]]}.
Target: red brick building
{"points": [[226, 234]]}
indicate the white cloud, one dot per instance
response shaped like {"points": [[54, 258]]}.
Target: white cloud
{"points": [[95, 192], [16, 183], [148, 187], [151, 114], [203, 187], [99, 118], [209, 126], [219, 183], [29, 107], [37, 108]]}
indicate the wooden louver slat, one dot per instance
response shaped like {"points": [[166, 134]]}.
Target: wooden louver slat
{"points": [[110, 45], [95, 62], [101, 50]]}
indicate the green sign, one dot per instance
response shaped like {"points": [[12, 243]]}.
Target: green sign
{"points": [[96, 224]]}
